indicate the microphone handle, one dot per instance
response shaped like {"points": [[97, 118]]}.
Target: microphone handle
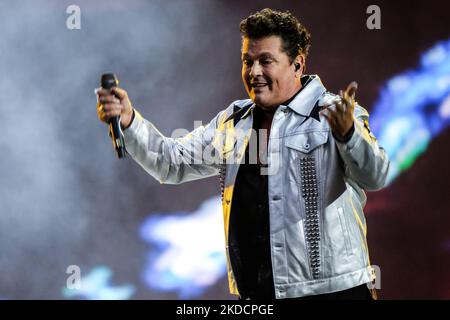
{"points": [[117, 137]]}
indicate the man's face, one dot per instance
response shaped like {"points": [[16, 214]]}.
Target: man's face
{"points": [[268, 76]]}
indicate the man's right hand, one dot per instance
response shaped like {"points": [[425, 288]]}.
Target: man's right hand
{"points": [[112, 103]]}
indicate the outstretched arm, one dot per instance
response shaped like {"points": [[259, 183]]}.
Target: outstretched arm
{"points": [[168, 160]]}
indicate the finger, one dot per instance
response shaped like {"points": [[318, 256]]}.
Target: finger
{"points": [[109, 115], [346, 102], [340, 107], [101, 115], [102, 91], [350, 97], [112, 109], [331, 102], [100, 112], [335, 117], [112, 106], [119, 93], [108, 99], [351, 107], [351, 89], [329, 112]]}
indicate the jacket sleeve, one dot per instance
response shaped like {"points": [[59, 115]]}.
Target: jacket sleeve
{"points": [[171, 160], [365, 161]]}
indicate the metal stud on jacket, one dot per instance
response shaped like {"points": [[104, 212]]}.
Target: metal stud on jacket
{"points": [[310, 194]]}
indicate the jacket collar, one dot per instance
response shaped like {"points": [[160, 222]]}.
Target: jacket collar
{"points": [[306, 99], [241, 109]]}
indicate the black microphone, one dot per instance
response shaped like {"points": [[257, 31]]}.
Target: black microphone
{"points": [[109, 81]]}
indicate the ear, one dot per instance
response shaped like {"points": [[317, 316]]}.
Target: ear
{"points": [[299, 60]]}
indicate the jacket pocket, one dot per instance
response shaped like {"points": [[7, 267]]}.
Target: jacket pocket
{"points": [[300, 146], [307, 142]]}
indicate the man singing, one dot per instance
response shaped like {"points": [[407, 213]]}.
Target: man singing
{"points": [[293, 205]]}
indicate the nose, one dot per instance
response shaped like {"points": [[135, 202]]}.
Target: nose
{"points": [[256, 70]]}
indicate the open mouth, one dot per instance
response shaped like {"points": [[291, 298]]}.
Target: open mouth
{"points": [[259, 85]]}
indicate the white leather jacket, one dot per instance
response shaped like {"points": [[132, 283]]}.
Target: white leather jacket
{"points": [[316, 198]]}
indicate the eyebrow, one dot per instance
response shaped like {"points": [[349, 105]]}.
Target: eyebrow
{"points": [[261, 55]]}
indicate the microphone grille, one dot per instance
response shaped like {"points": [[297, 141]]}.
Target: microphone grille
{"points": [[109, 80]]}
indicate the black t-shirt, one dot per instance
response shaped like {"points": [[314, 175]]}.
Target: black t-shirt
{"points": [[250, 216]]}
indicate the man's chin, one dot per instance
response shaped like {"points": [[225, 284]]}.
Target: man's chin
{"points": [[261, 102], [258, 100]]}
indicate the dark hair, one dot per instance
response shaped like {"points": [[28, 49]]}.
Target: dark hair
{"points": [[267, 22]]}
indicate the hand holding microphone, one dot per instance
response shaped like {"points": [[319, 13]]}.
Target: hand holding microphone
{"points": [[113, 104]]}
